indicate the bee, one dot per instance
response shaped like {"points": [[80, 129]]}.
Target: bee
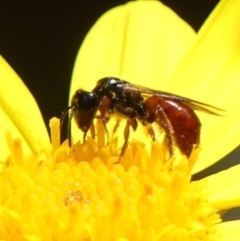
{"points": [[113, 96]]}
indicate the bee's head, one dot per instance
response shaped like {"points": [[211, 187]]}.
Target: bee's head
{"points": [[84, 106]]}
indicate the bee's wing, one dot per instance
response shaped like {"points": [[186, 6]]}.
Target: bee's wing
{"points": [[196, 105]]}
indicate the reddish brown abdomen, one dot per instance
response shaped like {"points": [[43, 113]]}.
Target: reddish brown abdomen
{"points": [[183, 120]]}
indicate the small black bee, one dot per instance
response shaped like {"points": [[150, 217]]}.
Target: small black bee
{"points": [[174, 114]]}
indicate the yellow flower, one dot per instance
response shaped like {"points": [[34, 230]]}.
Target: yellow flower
{"points": [[57, 193], [80, 194]]}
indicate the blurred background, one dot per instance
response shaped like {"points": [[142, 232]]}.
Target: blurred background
{"points": [[40, 40]]}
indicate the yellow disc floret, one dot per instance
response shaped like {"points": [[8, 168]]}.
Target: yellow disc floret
{"points": [[82, 194]]}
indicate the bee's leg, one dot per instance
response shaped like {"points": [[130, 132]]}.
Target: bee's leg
{"points": [[151, 132], [104, 106], [156, 113], [115, 127], [133, 124], [163, 121], [92, 130]]}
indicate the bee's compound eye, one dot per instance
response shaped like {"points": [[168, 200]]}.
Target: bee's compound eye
{"points": [[85, 105], [85, 100]]}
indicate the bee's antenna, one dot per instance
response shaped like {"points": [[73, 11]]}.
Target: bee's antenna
{"points": [[69, 128], [62, 118]]}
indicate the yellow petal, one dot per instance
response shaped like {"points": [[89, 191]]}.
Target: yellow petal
{"points": [[211, 73], [19, 112], [141, 41], [230, 177], [226, 199], [230, 230], [226, 195]]}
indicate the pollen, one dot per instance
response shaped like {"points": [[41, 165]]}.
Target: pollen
{"points": [[84, 193]]}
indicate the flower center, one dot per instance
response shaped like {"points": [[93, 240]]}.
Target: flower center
{"points": [[81, 194]]}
